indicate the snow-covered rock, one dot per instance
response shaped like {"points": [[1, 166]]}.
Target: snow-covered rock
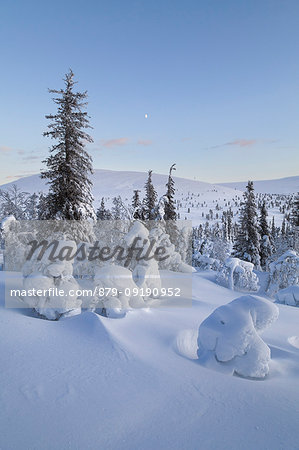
{"points": [[288, 296], [237, 274], [284, 272], [186, 268], [231, 336]]}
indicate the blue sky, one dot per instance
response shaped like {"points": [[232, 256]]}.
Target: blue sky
{"points": [[218, 79]]}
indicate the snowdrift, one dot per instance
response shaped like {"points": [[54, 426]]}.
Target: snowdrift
{"points": [[231, 335]]}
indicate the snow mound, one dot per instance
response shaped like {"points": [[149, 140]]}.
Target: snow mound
{"points": [[288, 296], [237, 274], [186, 343], [294, 341], [5, 223], [230, 335]]}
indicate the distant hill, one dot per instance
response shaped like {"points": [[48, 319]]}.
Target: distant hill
{"points": [[287, 185], [111, 183]]}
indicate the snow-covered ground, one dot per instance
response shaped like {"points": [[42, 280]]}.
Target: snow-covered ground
{"points": [[89, 382]]}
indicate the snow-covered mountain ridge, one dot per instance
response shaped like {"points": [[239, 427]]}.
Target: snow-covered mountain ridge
{"points": [[110, 183], [288, 185]]}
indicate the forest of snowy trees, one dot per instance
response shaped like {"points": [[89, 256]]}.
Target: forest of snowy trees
{"points": [[234, 240]]}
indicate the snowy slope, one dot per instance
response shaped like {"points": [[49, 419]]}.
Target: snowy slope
{"points": [[287, 185], [111, 183], [195, 198], [88, 382]]}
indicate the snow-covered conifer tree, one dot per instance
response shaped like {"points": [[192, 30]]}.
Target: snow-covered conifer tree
{"points": [[273, 229], [247, 245], [119, 210], [150, 198], [13, 202], [32, 207], [295, 211], [283, 227], [266, 247], [170, 215], [42, 207], [102, 212], [170, 211], [69, 166], [137, 206]]}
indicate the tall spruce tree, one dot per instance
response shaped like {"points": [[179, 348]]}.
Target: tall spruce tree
{"points": [[266, 247], [150, 198], [170, 215], [295, 211], [69, 166], [137, 206], [294, 219], [170, 211], [273, 229], [247, 245]]}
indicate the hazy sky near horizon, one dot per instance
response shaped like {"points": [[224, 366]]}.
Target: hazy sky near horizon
{"points": [[219, 81]]}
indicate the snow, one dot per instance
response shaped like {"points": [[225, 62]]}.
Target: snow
{"points": [[90, 381], [5, 223], [288, 296], [134, 380], [231, 335]]}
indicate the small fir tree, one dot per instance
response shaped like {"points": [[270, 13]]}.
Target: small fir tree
{"points": [[102, 212]]}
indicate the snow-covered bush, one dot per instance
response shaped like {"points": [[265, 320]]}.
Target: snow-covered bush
{"points": [[53, 282], [115, 289], [288, 296], [284, 272], [145, 271], [204, 262], [210, 253], [173, 261], [230, 335], [147, 276], [15, 234], [237, 274], [82, 267]]}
